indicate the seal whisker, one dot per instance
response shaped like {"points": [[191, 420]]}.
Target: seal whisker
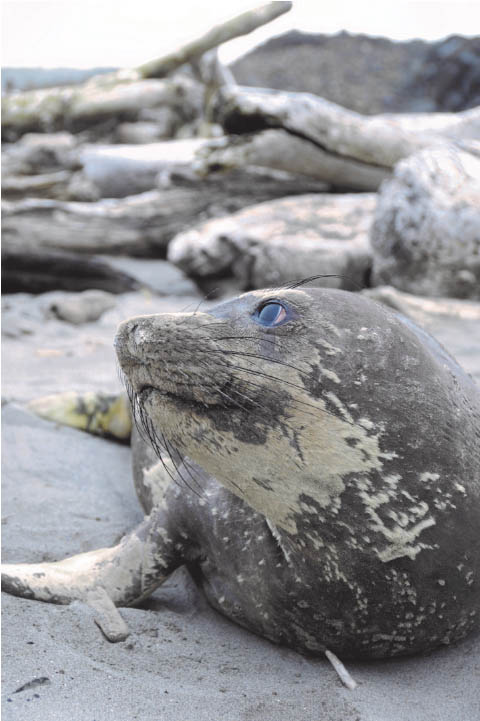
{"points": [[262, 374], [245, 337], [157, 447], [160, 445], [265, 413], [294, 401], [260, 357], [290, 285], [170, 455]]}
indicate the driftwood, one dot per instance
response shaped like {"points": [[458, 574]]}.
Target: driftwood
{"points": [[117, 171], [125, 92], [113, 171], [45, 185], [121, 170], [241, 25], [426, 234], [281, 150], [38, 153], [143, 224], [38, 271], [283, 240], [76, 107], [31, 270], [379, 141]]}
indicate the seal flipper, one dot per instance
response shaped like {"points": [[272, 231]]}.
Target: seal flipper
{"points": [[103, 579]]}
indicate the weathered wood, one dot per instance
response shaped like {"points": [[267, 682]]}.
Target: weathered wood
{"points": [[45, 185], [426, 234], [380, 140], [121, 170], [125, 92], [76, 107], [143, 224], [283, 240], [237, 26], [281, 150], [38, 153], [28, 270]]}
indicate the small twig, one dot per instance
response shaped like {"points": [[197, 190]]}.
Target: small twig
{"points": [[345, 677]]}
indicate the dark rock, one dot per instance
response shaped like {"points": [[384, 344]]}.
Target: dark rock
{"points": [[450, 74], [368, 74]]}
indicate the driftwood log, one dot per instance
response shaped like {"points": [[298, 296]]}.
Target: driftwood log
{"points": [[37, 153], [121, 170], [324, 137], [123, 93], [282, 150], [79, 106], [143, 224], [116, 171], [426, 234], [44, 185], [241, 25], [38, 271], [283, 240]]}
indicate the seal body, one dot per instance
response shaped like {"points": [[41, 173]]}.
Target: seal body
{"points": [[319, 473]]}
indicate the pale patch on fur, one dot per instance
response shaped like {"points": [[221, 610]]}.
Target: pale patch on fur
{"points": [[428, 477], [406, 530], [340, 406], [329, 348], [157, 480], [327, 456], [331, 375]]}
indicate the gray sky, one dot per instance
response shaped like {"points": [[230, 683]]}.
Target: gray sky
{"points": [[85, 33]]}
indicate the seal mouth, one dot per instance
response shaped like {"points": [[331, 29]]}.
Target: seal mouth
{"points": [[181, 402]]}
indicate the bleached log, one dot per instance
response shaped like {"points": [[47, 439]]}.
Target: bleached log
{"points": [[121, 170], [426, 233], [240, 25], [44, 185], [379, 140], [125, 92], [78, 106], [143, 224], [281, 150], [283, 240]]}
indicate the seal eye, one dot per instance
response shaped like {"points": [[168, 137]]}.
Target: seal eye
{"points": [[271, 314]]}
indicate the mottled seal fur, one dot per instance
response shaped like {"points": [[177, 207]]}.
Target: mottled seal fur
{"points": [[319, 475]]}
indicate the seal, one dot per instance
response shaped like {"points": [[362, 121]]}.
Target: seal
{"points": [[319, 475]]}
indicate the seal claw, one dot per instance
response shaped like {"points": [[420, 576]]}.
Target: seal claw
{"points": [[107, 617]]}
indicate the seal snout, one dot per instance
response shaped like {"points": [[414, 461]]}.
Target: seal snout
{"points": [[133, 345], [174, 354]]}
